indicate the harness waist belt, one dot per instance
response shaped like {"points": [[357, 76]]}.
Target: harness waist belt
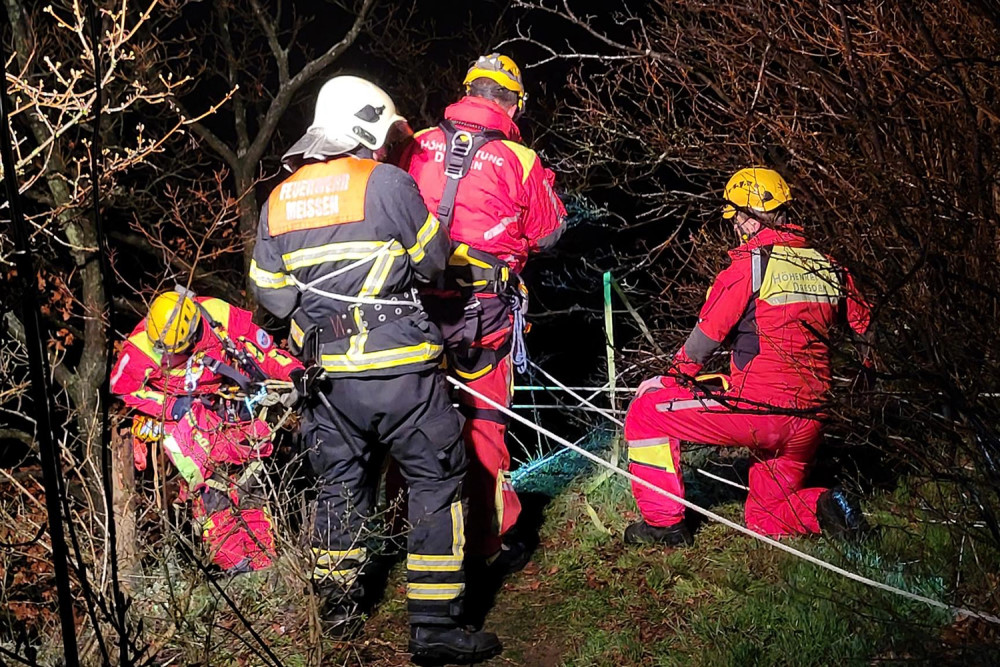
{"points": [[306, 336]]}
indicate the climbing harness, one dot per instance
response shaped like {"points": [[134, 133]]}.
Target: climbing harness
{"points": [[463, 145], [719, 519], [462, 148], [519, 351], [244, 360]]}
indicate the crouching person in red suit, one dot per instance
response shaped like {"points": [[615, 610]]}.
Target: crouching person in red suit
{"points": [[776, 302]]}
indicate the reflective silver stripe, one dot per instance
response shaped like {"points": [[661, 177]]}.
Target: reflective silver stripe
{"points": [[648, 442], [687, 404], [801, 297], [757, 268]]}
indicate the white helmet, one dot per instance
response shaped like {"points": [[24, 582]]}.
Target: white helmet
{"points": [[350, 111]]}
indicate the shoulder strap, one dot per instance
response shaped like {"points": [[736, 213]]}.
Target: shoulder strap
{"points": [[239, 356], [462, 148], [759, 258]]}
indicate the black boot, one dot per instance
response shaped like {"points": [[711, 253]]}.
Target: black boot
{"points": [[340, 613], [511, 558], [341, 622], [677, 535], [449, 644], [840, 516]]}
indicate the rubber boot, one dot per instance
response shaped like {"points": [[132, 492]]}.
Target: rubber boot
{"points": [[449, 644], [840, 516], [677, 535]]}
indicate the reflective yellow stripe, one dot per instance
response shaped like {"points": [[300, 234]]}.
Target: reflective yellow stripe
{"points": [[328, 557], [445, 564], [434, 558], [357, 347], [345, 578], [457, 529], [424, 235], [379, 271], [525, 156], [400, 356], [434, 591], [336, 252], [267, 279], [474, 375], [297, 335], [658, 456], [279, 357], [219, 310], [146, 395]]}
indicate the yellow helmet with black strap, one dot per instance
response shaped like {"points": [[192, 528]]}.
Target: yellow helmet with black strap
{"points": [[172, 322], [755, 189], [502, 70]]}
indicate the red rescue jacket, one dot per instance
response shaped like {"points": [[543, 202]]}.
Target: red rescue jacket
{"points": [[150, 382], [775, 305], [505, 205]]}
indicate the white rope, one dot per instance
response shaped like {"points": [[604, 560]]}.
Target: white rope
{"points": [[726, 522], [612, 417], [365, 300]]}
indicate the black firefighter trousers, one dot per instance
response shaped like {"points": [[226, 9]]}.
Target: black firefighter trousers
{"points": [[410, 417]]}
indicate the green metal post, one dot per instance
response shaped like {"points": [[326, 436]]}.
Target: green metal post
{"points": [[609, 340]]}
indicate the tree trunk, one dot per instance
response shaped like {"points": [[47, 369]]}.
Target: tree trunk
{"points": [[248, 212], [123, 480]]}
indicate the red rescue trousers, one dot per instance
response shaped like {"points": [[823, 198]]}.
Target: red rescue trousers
{"points": [[783, 447], [493, 503]]}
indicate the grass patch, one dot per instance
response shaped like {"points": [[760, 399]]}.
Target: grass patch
{"points": [[729, 600]]}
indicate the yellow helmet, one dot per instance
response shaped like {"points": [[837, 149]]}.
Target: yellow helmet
{"points": [[757, 189], [172, 322], [501, 69]]}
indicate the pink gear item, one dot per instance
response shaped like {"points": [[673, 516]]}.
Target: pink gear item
{"points": [[239, 540], [201, 440]]}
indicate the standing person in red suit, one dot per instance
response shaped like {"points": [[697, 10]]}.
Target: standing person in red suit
{"points": [[775, 305], [496, 199], [174, 370]]}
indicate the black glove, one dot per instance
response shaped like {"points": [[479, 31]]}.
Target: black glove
{"points": [[304, 382], [180, 407]]}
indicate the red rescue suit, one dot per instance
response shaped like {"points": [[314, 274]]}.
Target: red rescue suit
{"points": [[776, 303], [179, 391], [504, 210]]}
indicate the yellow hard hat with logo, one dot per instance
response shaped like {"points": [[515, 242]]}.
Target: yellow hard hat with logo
{"points": [[755, 189], [501, 69], [172, 322]]}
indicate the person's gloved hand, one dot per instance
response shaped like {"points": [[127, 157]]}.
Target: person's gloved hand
{"points": [[652, 384], [180, 407], [303, 383]]}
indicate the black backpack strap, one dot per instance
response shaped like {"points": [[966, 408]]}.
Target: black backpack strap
{"points": [[462, 146]]}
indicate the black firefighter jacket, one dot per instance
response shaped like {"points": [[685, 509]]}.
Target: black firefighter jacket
{"points": [[338, 244]]}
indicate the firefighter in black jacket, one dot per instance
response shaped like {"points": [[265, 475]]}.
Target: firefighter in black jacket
{"points": [[341, 246]]}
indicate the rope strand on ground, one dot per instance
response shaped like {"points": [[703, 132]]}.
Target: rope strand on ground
{"points": [[724, 521]]}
